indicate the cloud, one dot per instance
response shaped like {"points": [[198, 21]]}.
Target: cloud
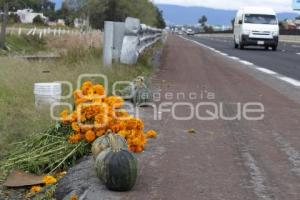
{"points": [[278, 5]]}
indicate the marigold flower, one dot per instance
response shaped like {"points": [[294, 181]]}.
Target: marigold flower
{"points": [[115, 102], [90, 136], [77, 94], [123, 133], [65, 117], [99, 90], [73, 197], [151, 134], [97, 113], [74, 138], [85, 128], [86, 86], [75, 127], [100, 132], [121, 114], [134, 124], [35, 189], [49, 180]]}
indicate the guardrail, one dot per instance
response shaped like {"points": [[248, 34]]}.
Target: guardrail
{"points": [[125, 41], [148, 36]]}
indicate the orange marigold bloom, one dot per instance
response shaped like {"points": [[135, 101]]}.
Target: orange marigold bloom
{"points": [[75, 127], [121, 115], [81, 101], [74, 197], [90, 136], [99, 90], [35, 189], [100, 132], [123, 133], [49, 180], [151, 134], [73, 139], [77, 94], [139, 149], [115, 102], [134, 124], [102, 120], [132, 148], [85, 128], [86, 86], [65, 117]]}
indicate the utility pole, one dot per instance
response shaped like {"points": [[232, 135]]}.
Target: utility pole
{"points": [[4, 25]]}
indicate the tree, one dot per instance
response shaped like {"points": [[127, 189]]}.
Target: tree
{"points": [[4, 25], [208, 29], [13, 18], [160, 19], [203, 20], [38, 20], [98, 11]]}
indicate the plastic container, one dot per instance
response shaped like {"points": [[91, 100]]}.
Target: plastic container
{"points": [[46, 94]]}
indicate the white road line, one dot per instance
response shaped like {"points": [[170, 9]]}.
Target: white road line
{"points": [[234, 58], [296, 46], [224, 54], [291, 152], [298, 53], [256, 177], [291, 81], [267, 71], [246, 62]]}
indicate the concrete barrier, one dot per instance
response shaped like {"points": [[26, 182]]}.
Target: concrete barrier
{"points": [[125, 41]]}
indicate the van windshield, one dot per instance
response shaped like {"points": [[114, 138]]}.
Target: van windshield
{"points": [[260, 19]]}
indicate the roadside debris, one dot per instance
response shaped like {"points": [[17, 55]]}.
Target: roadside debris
{"points": [[192, 131], [18, 178], [138, 92]]}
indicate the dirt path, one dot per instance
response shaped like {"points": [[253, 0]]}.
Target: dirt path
{"points": [[224, 159]]}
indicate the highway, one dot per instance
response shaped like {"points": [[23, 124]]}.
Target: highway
{"points": [[285, 61], [224, 157]]}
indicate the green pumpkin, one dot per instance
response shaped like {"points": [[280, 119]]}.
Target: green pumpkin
{"points": [[117, 167], [103, 143]]}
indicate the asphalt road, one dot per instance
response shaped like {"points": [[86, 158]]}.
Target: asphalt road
{"points": [[285, 61], [217, 159], [223, 160]]}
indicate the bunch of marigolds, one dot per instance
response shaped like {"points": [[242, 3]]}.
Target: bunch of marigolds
{"points": [[95, 114]]}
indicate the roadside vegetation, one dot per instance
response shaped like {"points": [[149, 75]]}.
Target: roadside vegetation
{"points": [[79, 55], [96, 12]]}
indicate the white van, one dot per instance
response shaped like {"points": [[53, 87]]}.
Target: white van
{"points": [[256, 26]]}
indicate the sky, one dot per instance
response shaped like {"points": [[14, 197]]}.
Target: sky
{"points": [[278, 5]]}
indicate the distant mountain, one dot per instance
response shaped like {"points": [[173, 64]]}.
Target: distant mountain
{"points": [[189, 15]]}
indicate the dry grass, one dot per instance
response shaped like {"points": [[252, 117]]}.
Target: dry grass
{"points": [[75, 41]]}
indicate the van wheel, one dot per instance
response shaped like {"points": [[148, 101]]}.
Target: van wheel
{"points": [[241, 46], [274, 48], [236, 45]]}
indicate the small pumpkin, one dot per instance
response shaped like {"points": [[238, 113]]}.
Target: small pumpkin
{"points": [[117, 167], [103, 143]]}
